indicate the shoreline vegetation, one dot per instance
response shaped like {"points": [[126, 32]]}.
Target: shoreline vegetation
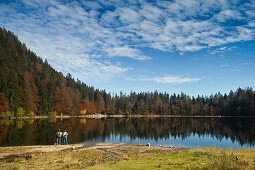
{"points": [[123, 156], [99, 116]]}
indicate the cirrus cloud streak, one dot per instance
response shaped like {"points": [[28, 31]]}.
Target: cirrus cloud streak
{"points": [[166, 79]]}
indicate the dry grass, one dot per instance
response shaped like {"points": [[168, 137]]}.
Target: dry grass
{"points": [[14, 150], [57, 160]]}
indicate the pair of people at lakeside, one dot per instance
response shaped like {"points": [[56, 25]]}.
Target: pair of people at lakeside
{"points": [[60, 135]]}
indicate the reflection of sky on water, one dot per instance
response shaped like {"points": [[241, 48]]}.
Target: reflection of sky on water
{"points": [[191, 141]]}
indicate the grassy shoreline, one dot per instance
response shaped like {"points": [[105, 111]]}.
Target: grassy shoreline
{"points": [[123, 156]]}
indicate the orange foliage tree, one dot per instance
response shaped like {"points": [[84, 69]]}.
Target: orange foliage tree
{"points": [[4, 106], [58, 100]]}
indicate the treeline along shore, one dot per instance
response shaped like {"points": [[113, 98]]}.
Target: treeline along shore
{"points": [[29, 86]]}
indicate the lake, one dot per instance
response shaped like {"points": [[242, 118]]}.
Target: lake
{"points": [[180, 132]]}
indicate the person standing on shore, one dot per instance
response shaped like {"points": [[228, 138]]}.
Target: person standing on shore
{"points": [[65, 134], [58, 136]]}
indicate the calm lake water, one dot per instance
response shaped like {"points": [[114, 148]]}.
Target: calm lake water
{"points": [[177, 132]]}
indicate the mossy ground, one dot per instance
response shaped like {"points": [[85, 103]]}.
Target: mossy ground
{"points": [[114, 156]]}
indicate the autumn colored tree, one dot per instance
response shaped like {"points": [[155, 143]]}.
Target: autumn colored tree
{"points": [[58, 100], [83, 112], [20, 112], [4, 106]]}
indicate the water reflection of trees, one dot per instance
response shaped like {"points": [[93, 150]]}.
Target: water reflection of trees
{"points": [[31, 132], [237, 129]]}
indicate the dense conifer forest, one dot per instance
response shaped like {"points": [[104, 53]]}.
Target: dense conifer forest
{"points": [[30, 86]]}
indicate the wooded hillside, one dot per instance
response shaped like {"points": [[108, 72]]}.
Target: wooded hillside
{"points": [[29, 85]]}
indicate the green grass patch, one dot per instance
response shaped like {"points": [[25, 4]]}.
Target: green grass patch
{"points": [[189, 159], [15, 168]]}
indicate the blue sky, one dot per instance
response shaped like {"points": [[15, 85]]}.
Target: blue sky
{"points": [[198, 47]]}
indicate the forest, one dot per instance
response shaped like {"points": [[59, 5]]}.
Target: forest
{"points": [[30, 86]]}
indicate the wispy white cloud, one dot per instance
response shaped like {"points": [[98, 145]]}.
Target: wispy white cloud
{"points": [[101, 71], [128, 15], [126, 51], [224, 65], [221, 49], [228, 14], [166, 79]]}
